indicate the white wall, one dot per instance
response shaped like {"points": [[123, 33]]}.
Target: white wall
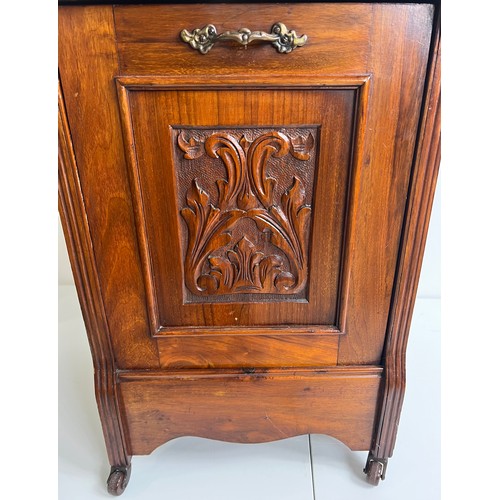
{"points": [[430, 278], [64, 268]]}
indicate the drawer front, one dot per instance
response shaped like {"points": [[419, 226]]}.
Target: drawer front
{"points": [[149, 43], [246, 204]]}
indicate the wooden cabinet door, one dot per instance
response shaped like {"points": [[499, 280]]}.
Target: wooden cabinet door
{"points": [[245, 206]]}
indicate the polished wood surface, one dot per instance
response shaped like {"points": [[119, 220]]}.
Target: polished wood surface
{"points": [[248, 351], [78, 241], [132, 291], [148, 39], [246, 228], [250, 408]]}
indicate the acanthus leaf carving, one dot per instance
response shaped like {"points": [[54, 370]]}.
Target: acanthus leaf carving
{"points": [[294, 215], [301, 148], [192, 148], [272, 144], [208, 230]]}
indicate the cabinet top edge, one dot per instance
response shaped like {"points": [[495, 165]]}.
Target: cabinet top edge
{"points": [[166, 2]]}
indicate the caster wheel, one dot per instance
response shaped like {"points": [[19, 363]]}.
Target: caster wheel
{"points": [[374, 472], [118, 480]]}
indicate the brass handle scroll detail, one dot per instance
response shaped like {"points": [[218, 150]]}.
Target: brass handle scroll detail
{"points": [[283, 39]]}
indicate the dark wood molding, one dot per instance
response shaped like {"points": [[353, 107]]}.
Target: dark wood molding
{"points": [[290, 373]]}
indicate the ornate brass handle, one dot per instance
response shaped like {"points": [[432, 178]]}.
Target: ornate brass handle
{"points": [[285, 40]]}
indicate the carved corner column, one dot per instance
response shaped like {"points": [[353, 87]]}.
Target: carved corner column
{"points": [[79, 246], [417, 218]]}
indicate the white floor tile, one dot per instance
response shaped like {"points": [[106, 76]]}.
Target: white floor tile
{"points": [[413, 472], [183, 469]]}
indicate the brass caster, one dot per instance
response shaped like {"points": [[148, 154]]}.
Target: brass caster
{"points": [[375, 469], [118, 480]]}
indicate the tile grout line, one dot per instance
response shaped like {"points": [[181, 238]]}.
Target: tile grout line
{"points": [[312, 468]]}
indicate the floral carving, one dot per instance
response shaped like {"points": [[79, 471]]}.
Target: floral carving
{"points": [[192, 148], [301, 147], [215, 262]]}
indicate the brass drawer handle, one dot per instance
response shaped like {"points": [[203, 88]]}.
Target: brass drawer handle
{"points": [[285, 40]]}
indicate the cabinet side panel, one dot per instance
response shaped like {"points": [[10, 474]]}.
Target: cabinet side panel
{"points": [[87, 65]]}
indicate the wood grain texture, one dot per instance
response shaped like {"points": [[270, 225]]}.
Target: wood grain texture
{"points": [[381, 186], [278, 404], [87, 65], [76, 232], [417, 219], [229, 351]]}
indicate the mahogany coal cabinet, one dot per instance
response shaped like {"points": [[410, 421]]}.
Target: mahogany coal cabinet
{"points": [[245, 191]]}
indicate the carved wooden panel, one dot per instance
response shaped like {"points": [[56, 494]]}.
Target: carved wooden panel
{"points": [[245, 196]]}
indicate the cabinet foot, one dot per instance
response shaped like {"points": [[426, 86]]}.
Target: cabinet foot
{"points": [[375, 469], [118, 479]]}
